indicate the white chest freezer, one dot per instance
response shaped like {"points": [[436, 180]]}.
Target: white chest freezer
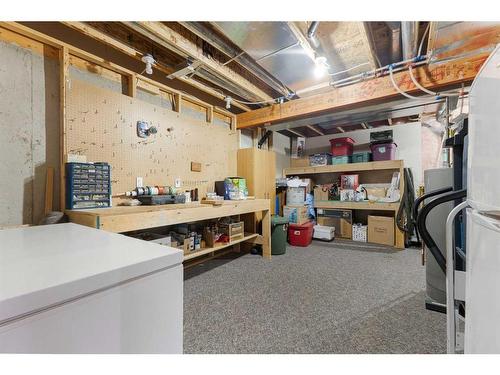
{"points": [[67, 288]]}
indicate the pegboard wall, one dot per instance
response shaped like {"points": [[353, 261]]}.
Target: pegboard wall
{"points": [[101, 124]]}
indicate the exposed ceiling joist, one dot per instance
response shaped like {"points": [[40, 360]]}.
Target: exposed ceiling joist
{"points": [[172, 40], [101, 37], [315, 129], [296, 132], [360, 94]]}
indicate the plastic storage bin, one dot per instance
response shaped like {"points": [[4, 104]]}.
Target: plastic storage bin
{"points": [[279, 226], [324, 233], [300, 235], [341, 160], [361, 157], [384, 151], [88, 185], [320, 159], [341, 146]]}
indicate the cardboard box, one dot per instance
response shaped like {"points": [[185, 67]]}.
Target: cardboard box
{"points": [[341, 220], [295, 196], [296, 214], [321, 193], [381, 230], [299, 162]]}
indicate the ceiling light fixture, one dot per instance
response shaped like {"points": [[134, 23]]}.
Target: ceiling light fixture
{"points": [[228, 100], [149, 61], [321, 66]]}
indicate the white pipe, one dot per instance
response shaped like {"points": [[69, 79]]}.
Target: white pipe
{"points": [[415, 82], [397, 87]]}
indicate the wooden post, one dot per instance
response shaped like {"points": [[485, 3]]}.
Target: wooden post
{"points": [[266, 234], [132, 85], [63, 84], [49, 190]]}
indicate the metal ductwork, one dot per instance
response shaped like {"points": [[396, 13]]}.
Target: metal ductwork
{"points": [[204, 32], [409, 34], [311, 34]]}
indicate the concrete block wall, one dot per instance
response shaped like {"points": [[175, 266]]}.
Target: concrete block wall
{"points": [[29, 139]]}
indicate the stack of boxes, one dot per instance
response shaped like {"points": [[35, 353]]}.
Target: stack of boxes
{"points": [[297, 211]]}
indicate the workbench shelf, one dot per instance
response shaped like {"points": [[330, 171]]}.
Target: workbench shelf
{"points": [[208, 250], [124, 219], [341, 168]]}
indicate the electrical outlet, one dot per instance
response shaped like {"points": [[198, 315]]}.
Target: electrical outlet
{"points": [[177, 182], [138, 182]]}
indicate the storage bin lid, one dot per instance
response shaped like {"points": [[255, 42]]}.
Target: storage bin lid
{"points": [[279, 220], [342, 140], [307, 225], [385, 144], [47, 265]]}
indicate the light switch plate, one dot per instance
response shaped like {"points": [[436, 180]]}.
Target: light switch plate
{"points": [[138, 182]]}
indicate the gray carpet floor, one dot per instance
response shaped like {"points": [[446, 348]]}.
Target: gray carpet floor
{"points": [[338, 297]]}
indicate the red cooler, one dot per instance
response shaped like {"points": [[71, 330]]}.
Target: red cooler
{"points": [[342, 146], [300, 235]]}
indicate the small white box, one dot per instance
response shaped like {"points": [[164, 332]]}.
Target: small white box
{"points": [[347, 195], [359, 232], [166, 241], [324, 233]]}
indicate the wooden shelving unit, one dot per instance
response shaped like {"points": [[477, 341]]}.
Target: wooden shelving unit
{"points": [[340, 168], [208, 250], [357, 205], [365, 168]]}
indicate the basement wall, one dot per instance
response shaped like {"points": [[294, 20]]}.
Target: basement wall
{"points": [[29, 140]]}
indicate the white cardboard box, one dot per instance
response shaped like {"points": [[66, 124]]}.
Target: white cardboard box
{"points": [[359, 232], [324, 233]]}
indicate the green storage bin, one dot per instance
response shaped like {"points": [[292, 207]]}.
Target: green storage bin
{"points": [[279, 229], [341, 160], [361, 157]]}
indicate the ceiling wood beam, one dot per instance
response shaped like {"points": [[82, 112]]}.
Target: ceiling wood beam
{"points": [[437, 76], [296, 132], [315, 129], [174, 41], [103, 38]]}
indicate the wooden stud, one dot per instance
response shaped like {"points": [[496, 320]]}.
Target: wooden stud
{"points": [[178, 103], [132, 85], [210, 114], [296, 132], [315, 129], [63, 84], [49, 190]]}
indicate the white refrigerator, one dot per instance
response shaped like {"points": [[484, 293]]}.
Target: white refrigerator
{"points": [[482, 292]]}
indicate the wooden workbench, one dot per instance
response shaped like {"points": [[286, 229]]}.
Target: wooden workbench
{"points": [[125, 219], [370, 172]]}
